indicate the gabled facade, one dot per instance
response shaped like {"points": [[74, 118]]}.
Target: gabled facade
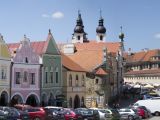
{"points": [[51, 83], [25, 84], [5, 64], [74, 86]]}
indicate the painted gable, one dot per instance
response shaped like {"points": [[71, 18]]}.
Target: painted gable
{"points": [[4, 51], [51, 46], [25, 53]]}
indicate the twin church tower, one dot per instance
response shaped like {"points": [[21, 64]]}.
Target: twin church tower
{"points": [[80, 36]]}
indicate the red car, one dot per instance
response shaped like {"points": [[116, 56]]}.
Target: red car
{"points": [[142, 113], [35, 113], [70, 115]]}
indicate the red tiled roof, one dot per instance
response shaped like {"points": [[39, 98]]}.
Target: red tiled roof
{"points": [[88, 59], [100, 71], [140, 72], [93, 45], [90, 55], [142, 56], [70, 64], [37, 46]]}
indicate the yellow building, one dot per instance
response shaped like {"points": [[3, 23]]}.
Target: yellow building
{"points": [[5, 64]]}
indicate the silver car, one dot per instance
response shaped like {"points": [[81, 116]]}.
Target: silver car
{"points": [[128, 114]]}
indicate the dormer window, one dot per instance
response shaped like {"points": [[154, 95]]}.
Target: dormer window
{"points": [[101, 37]]}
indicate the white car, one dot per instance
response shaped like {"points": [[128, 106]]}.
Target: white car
{"points": [[129, 114]]}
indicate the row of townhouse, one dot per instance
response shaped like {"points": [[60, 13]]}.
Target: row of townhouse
{"points": [[83, 72], [143, 67]]}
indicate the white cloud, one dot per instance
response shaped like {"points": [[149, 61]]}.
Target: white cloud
{"points": [[45, 16], [58, 15], [157, 36]]}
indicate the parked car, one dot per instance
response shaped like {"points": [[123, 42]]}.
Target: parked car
{"points": [[14, 114], [3, 115], [35, 113], [151, 104], [69, 115], [52, 111], [143, 111], [88, 114], [128, 113]]}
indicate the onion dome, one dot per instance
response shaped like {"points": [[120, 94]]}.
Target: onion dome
{"points": [[101, 28], [79, 26]]}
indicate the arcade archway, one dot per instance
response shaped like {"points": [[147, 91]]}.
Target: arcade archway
{"points": [[76, 102], [32, 100], [4, 99], [16, 99]]}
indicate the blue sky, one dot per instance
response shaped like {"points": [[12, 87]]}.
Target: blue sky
{"points": [[140, 20]]}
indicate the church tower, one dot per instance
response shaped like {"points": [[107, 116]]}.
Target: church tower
{"points": [[101, 31], [79, 35]]}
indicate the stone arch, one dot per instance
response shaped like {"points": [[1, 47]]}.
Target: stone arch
{"points": [[17, 98], [32, 99], [76, 101], [4, 98]]}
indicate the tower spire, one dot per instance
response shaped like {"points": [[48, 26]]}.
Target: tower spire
{"points": [[100, 12], [121, 35], [79, 34]]}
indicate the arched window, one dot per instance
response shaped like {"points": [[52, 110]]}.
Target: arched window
{"points": [[76, 80], [97, 81], [83, 83], [78, 37], [101, 37], [70, 80]]}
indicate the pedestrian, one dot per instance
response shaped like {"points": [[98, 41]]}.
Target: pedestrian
{"points": [[117, 105]]}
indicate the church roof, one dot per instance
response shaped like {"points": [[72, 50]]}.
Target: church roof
{"points": [[90, 55]]}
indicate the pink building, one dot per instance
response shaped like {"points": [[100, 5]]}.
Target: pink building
{"points": [[25, 84]]}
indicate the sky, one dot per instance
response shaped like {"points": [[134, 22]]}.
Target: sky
{"points": [[140, 20]]}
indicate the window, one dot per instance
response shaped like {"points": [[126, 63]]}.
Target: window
{"points": [[101, 37], [78, 37], [46, 75], [25, 76], [76, 80], [70, 80], [56, 72], [56, 76], [51, 77], [17, 77], [26, 60], [97, 81], [83, 80], [32, 78], [3, 74]]}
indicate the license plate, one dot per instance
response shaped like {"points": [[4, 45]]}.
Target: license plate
{"points": [[85, 119]]}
